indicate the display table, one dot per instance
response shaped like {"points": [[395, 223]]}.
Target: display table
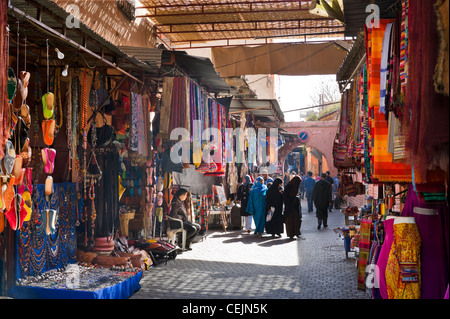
{"points": [[98, 284], [224, 216]]}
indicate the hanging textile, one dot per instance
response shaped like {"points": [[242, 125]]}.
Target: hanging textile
{"points": [[166, 105], [383, 169], [107, 198], [428, 112], [441, 78], [384, 66], [39, 252], [364, 248]]}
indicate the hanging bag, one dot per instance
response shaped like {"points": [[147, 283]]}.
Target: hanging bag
{"points": [[270, 214]]}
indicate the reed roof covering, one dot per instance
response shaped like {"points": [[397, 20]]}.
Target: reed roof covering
{"points": [[207, 20]]}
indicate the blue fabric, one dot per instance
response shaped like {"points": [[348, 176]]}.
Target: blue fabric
{"points": [[54, 250], [256, 204], [309, 183], [123, 290], [248, 180]]}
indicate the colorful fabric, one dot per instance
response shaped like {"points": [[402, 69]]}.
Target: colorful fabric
{"points": [[383, 169], [384, 67], [405, 249], [433, 225], [384, 257], [364, 250]]}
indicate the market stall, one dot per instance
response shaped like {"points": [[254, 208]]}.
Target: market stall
{"points": [[393, 141]]}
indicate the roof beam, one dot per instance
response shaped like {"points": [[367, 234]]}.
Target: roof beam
{"points": [[257, 37], [202, 12], [240, 21], [256, 28], [219, 3]]}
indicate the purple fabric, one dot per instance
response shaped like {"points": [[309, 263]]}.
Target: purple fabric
{"points": [[446, 294], [384, 256], [433, 231]]}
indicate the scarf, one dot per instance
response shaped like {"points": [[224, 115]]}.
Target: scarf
{"points": [[259, 185]]}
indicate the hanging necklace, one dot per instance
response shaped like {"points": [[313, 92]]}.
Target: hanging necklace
{"points": [[58, 100], [69, 122], [93, 212]]}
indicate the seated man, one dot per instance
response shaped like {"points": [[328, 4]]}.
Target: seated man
{"points": [[178, 211]]}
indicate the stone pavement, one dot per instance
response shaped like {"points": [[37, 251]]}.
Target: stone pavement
{"points": [[237, 265]]}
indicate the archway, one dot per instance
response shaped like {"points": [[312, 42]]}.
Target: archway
{"points": [[317, 135]]}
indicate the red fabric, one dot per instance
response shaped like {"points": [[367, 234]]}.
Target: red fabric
{"points": [[427, 131]]}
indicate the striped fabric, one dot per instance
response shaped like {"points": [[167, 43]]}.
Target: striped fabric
{"points": [[364, 250], [383, 168]]}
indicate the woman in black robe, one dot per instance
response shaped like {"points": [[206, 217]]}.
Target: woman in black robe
{"points": [[242, 196], [292, 209], [274, 198]]}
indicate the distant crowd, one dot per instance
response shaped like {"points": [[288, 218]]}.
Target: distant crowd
{"points": [[274, 202]]}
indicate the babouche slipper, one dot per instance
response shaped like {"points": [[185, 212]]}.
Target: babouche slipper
{"points": [[48, 130], [48, 158], [48, 101]]}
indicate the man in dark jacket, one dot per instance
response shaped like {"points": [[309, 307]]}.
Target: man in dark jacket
{"points": [[321, 196], [331, 181]]}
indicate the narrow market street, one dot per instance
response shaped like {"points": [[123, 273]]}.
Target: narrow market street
{"points": [[237, 265]]}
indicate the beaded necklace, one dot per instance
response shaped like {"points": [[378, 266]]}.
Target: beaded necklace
{"points": [[69, 121], [93, 212], [58, 101]]}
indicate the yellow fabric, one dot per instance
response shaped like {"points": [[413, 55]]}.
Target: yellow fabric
{"points": [[405, 248]]}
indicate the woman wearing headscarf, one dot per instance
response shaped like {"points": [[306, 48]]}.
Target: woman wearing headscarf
{"points": [[292, 208], [274, 198], [242, 196], [256, 205]]}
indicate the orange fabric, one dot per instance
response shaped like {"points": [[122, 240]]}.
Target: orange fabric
{"points": [[384, 170]]}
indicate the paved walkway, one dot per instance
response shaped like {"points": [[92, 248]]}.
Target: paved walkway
{"points": [[236, 265]]}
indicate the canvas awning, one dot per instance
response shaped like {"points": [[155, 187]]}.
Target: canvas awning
{"points": [[266, 112], [281, 58]]}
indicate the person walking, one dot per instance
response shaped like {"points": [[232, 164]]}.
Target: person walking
{"points": [[331, 181], [256, 205], [286, 178], [266, 177], [292, 209], [321, 196], [178, 211], [274, 199], [302, 186], [242, 196], [309, 185], [335, 191]]}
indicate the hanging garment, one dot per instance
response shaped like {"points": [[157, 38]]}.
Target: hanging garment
{"points": [[427, 111], [384, 256], [384, 67], [166, 105], [433, 224], [403, 271]]}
